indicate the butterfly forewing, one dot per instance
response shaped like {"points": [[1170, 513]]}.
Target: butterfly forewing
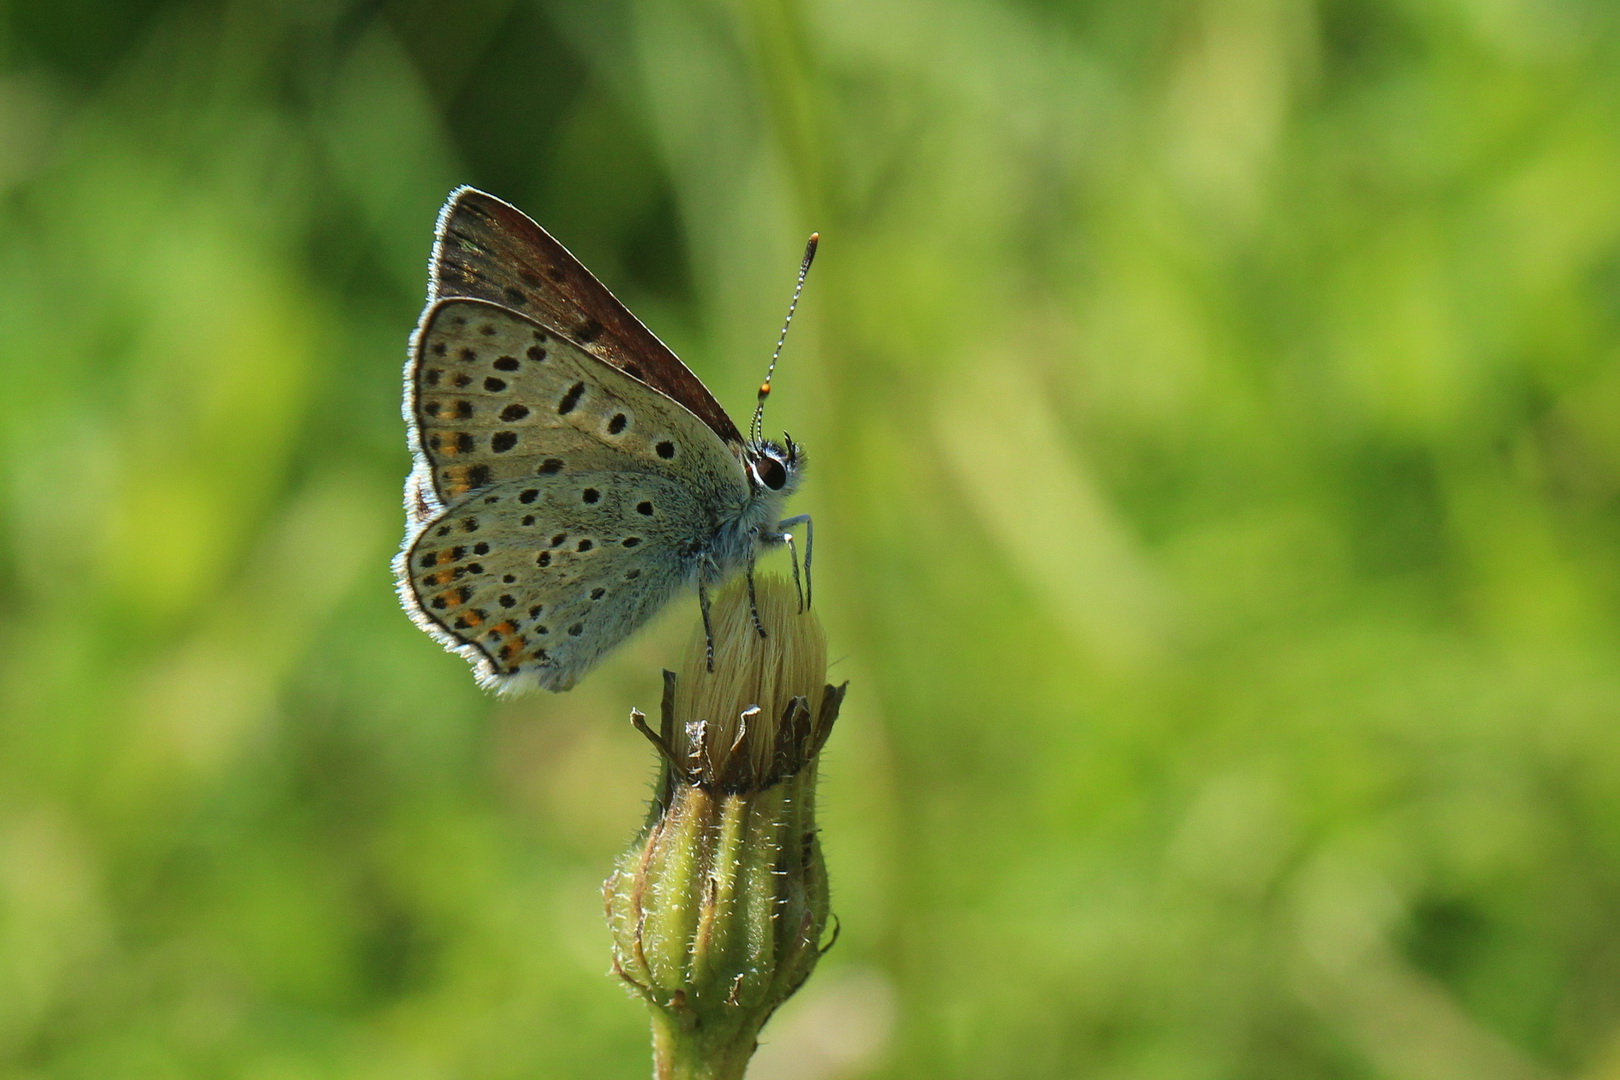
{"points": [[496, 396], [490, 250], [567, 495]]}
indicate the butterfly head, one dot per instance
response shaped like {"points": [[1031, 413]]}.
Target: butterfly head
{"points": [[775, 468]]}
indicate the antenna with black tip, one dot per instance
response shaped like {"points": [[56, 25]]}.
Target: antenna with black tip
{"points": [[756, 430]]}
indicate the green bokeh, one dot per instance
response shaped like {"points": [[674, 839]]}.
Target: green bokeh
{"points": [[1214, 413]]}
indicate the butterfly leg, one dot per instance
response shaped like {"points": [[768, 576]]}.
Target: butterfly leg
{"points": [[708, 626], [793, 559], [809, 542], [753, 601], [783, 537]]}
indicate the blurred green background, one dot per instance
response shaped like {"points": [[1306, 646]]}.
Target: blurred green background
{"points": [[1214, 412]]}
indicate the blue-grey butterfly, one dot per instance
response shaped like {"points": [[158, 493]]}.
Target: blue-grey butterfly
{"points": [[570, 475]]}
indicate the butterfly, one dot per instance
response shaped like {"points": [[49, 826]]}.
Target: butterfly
{"points": [[571, 476]]}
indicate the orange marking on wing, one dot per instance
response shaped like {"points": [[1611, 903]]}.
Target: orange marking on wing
{"points": [[447, 555], [503, 628], [473, 618]]}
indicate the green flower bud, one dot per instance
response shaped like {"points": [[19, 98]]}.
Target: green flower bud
{"points": [[719, 908]]}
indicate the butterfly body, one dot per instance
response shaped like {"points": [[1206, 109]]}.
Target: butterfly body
{"points": [[564, 490]]}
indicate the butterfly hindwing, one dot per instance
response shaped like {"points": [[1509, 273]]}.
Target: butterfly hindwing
{"points": [[537, 578], [490, 250]]}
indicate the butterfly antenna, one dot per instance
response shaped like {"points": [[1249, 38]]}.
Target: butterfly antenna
{"points": [[756, 430]]}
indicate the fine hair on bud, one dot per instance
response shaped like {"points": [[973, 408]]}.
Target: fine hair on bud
{"points": [[743, 711]]}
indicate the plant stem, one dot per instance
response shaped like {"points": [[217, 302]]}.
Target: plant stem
{"points": [[706, 1053]]}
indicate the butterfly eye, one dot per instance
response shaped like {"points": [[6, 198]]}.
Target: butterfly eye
{"points": [[770, 473]]}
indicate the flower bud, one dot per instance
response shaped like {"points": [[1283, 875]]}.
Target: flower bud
{"points": [[719, 908]]}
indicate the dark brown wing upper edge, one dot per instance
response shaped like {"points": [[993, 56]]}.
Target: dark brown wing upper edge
{"points": [[487, 249]]}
